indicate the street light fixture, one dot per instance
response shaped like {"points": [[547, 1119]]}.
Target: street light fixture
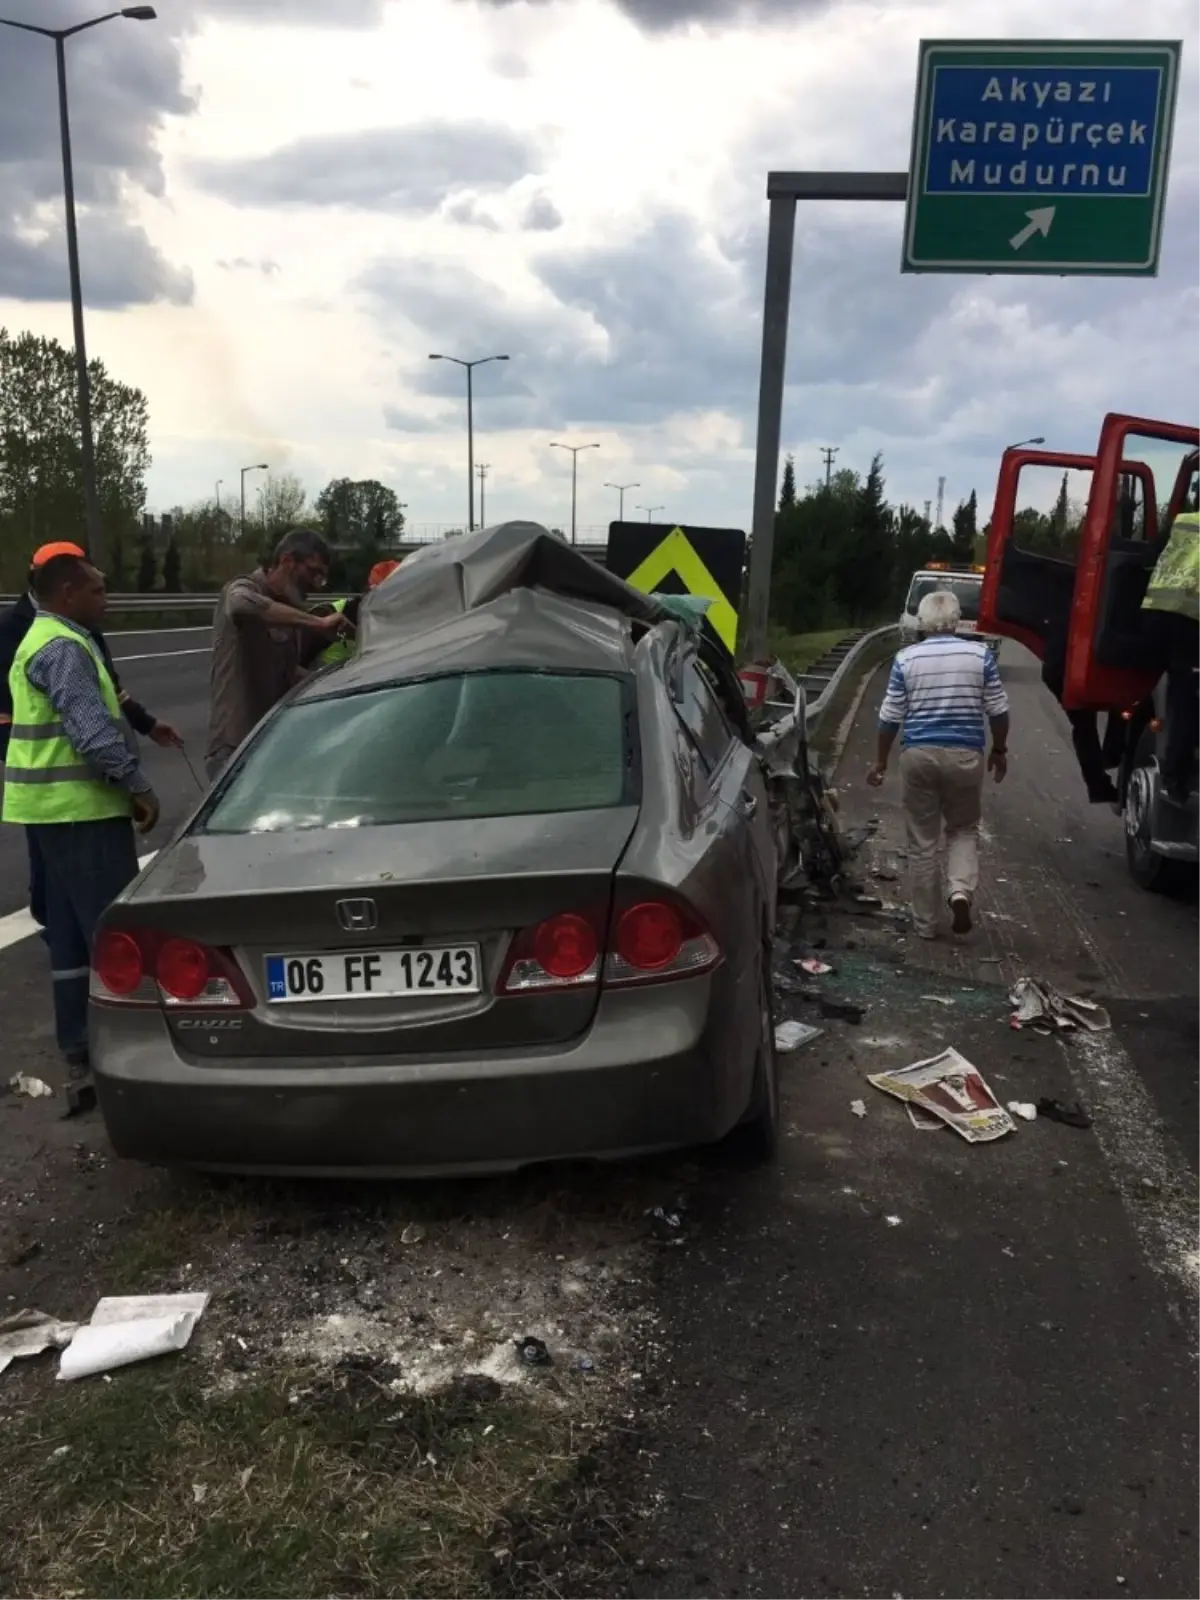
{"points": [[470, 366], [650, 510], [260, 466], [87, 453], [1020, 445], [621, 488], [574, 449]]}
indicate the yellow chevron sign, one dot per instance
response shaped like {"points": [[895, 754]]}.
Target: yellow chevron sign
{"points": [[677, 554]]}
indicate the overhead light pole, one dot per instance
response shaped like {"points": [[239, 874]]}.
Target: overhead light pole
{"points": [[481, 472], [220, 481], [650, 510], [574, 449], [1021, 443], [87, 451], [621, 488], [261, 466], [469, 367]]}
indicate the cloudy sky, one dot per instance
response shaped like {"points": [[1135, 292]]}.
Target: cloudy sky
{"points": [[287, 204]]}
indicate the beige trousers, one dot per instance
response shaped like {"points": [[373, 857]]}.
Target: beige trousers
{"points": [[943, 789]]}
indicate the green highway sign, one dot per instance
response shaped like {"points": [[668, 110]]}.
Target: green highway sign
{"points": [[1040, 157]]}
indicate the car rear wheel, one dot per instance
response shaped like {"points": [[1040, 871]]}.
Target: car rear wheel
{"points": [[1150, 871], [756, 1137]]}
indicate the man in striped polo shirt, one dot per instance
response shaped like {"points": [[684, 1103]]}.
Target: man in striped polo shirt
{"points": [[944, 693]]}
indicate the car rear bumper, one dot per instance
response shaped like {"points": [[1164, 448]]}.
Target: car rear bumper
{"points": [[642, 1078]]}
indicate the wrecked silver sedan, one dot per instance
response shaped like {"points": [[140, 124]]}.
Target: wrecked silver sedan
{"points": [[500, 889]]}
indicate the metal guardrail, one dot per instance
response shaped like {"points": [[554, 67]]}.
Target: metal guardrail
{"points": [[817, 707]]}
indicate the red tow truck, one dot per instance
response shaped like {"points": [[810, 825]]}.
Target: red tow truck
{"points": [[1142, 475]]}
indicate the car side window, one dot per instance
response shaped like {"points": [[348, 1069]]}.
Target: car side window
{"points": [[702, 716]]}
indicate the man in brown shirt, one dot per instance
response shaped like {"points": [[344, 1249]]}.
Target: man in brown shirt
{"points": [[256, 648]]}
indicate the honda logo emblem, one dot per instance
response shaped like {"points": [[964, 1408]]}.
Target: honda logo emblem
{"points": [[357, 916]]}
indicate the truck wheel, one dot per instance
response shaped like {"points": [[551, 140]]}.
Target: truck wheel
{"points": [[1155, 873]]}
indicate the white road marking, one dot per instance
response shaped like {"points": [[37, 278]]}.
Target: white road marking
{"points": [[1150, 1172], [155, 633], [19, 925], [165, 655]]}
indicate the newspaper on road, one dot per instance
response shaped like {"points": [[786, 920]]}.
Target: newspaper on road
{"points": [[948, 1087]]}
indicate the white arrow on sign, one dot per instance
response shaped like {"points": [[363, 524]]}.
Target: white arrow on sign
{"points": [[1040, 219]]}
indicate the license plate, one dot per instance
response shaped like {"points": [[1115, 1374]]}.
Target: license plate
{"points": [[374, 974]]}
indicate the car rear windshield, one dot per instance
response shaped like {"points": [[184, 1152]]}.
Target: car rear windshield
{"points": [[485, 744], [965, 590]]}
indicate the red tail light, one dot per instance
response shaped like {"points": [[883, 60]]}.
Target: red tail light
{"points": [[647, 941], [138, 966]]}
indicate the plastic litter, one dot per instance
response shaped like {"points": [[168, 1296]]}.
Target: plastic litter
{"points": [[858, 1107], [1068, 1112], [938, 999], [1024, 1109], [35, 1088], [533, 1351], [1040, 1006], [791, 1035], [842, 1010], [413, 1234], [28, 1333], [815, 968], [129, 1328]]}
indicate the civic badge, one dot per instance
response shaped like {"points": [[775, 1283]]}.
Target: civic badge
{"points": [[357, 916]]}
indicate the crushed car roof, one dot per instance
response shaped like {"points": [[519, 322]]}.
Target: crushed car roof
{"points": [[514, 594]]}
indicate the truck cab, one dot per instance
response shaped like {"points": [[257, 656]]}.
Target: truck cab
{"points": [[1078, 591], [964, 582]]}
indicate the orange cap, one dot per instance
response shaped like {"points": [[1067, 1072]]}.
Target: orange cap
{"points": [[62, 547], [380, 571]]}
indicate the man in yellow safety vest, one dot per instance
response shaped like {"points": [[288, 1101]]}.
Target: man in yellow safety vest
{"points": [[1173, 602], [342, 648], [73, 778]]}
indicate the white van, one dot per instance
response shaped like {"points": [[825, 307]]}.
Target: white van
{"points": [[965, 583]]}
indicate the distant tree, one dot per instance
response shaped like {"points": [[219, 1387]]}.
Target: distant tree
{"points": [[363, 519], [787, 492], [1061, 515], [172, 571], [966, 531], [116, 576], [284, 504], [147, 566]]}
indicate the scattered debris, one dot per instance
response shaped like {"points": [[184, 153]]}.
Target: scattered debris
{"points": [[842, 1010], [1068, 1112], [938, 999], [22, 1083], [24, 1253], [533, 1351], [858, 1107], [666, 1223], [585, 1364], [791, 1035], [413, 1234], [199, 1493], [892, 1221], [885, 874], [871, 900], [950, 1087], [28, 1333], [815, 968], [1040, 1006], [1024, 1109], [129, 1328]]}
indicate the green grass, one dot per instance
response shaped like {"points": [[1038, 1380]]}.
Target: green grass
{"points": [[798, 651], [299, 1483]]}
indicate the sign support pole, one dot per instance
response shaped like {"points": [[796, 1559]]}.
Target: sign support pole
{"points": [[784, 189]]}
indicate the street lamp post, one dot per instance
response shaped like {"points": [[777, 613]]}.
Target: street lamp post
{"points": [[650, 510], [621, 488], [470, 366], [574, 449], [1020, 445], [260, 466], [220, 481], [481, 472], [87, 453]]}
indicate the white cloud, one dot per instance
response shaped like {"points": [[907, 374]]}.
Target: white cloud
{"points": [[342, 187]]}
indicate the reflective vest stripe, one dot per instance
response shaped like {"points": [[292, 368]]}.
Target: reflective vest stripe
{"points": [[1174, 583], [339, 649]]}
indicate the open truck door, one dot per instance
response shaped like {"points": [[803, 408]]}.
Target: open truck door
{"points": [[1029, 581], [1110, 660]]}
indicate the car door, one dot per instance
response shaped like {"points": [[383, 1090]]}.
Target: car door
{"points": [[1141, 466]]}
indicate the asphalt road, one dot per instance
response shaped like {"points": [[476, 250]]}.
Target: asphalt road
{"points": [[168, 673], [893, 1363], [899, 1364]]}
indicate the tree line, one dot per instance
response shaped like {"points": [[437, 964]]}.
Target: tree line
{"points": [[41, 489]]}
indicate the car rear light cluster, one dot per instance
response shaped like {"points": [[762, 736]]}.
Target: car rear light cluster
{"points": [[139, 966], [645, 941]]}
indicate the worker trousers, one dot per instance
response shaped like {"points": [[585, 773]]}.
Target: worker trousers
{"points": [[942, 788], [86, 864]]}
